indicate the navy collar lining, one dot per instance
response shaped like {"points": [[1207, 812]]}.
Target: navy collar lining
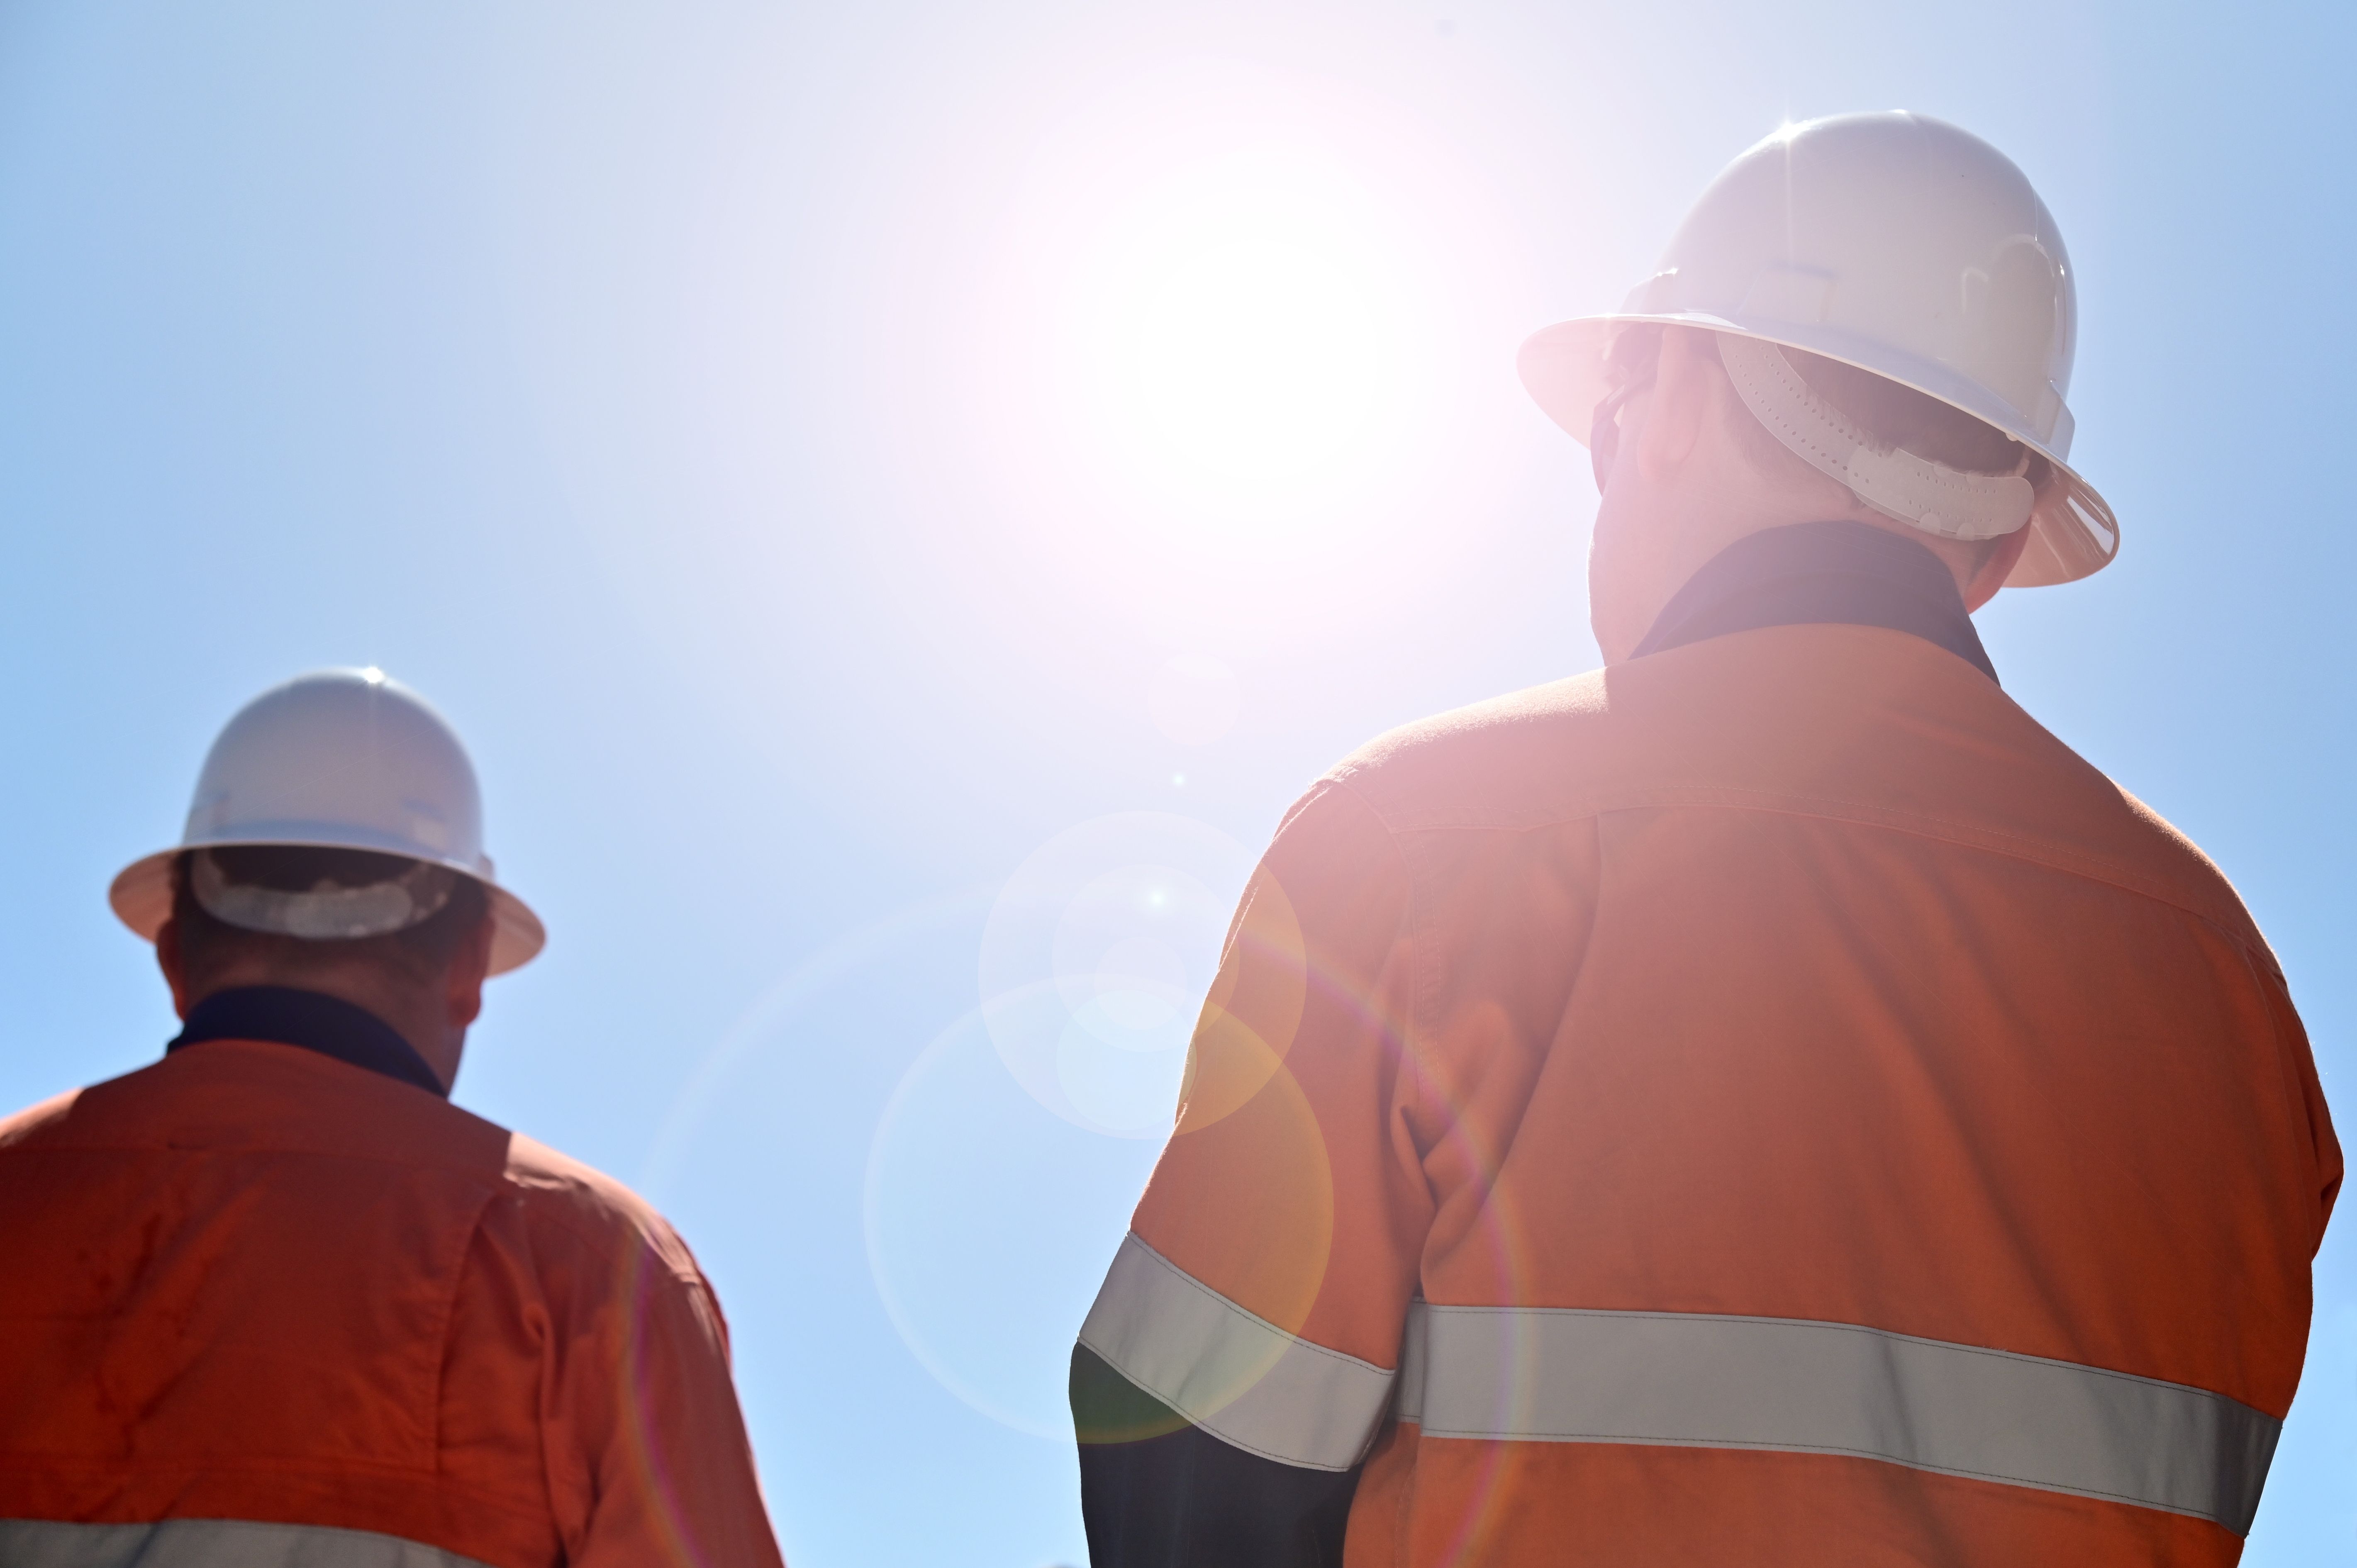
{"points": [[1817, 573], [327, 1024]]}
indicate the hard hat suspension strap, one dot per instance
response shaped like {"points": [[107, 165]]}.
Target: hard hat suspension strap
{"points": [[1899, 483], [326, 911]]}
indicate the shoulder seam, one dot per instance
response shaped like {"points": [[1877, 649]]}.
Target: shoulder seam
{"points": [[1419, 972], [1988, 840], [604, 1246]]}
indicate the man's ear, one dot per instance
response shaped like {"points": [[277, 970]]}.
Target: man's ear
{"points": [[1997, 568], [175, 968], [469, 968], [1678, 405]]}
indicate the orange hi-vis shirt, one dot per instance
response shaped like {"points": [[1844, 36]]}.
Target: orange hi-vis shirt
{"points": [[264, 1306], [1766, 1102]]}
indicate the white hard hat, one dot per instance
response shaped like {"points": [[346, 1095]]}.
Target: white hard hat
{"points": [[1894, 242], [337, 759]]}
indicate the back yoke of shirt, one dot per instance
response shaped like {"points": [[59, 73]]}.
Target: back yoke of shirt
{"points": [[266, 1307]]}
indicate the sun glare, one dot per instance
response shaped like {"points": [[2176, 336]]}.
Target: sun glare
{"points": [[1244, 327], [1254, 359], [1226, 295], [1237, 342]]}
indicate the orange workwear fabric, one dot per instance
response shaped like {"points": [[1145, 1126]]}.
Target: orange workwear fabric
{"points": [[1796, 973], [251, 1282]]}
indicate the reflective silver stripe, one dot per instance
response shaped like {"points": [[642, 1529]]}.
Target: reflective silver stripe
{"points": [[211, 1543], [1559, 1375], [1232, 1373]]}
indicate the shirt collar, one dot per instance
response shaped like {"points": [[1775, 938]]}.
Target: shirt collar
{"points": [[1815, 573], [327, 1024]]}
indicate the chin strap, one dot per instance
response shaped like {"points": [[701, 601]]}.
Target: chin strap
{"points": [[1915, 490], [326, 912]]}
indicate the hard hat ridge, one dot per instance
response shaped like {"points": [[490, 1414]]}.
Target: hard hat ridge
{"points": [[338, 760]]}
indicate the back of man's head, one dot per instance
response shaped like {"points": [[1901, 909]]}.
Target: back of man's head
{"points": [[1696, 467], [1897, 244], [271, 915]]}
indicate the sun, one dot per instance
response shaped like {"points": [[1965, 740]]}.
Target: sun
{"points": [[1230, 314], [1254, 357], [1247, 324], [1233, 352]]}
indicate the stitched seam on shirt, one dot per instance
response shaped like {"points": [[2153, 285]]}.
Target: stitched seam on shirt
{"points": [[446, 1314], [2296, 1110], [1865, 813], [607, 1253], [124, 1143], [1423, 980], [1995, 1476], [1889, 818], [436, 1479]]}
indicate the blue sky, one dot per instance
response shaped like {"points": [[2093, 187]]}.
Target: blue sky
{"points": [[822, 459]]}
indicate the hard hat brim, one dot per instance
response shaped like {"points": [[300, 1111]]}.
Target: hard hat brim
{"points": [[2073, 532], [141, 896]]}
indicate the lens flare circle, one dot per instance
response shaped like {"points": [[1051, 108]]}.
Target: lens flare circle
{"points": [[988, 1225], [1141, 985], [1096, 959]]}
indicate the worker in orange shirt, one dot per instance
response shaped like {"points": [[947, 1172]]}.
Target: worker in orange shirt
{"points": [[1767, 1101], [273, 1300]]}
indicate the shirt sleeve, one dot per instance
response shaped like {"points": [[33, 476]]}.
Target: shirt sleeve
{"points": [[2307, 1093], [1240, 1359], [646, 1404]]}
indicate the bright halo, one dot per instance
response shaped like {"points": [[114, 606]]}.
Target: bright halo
{"points": [[1242, 317], [1254, 358], [1221, 312]]}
